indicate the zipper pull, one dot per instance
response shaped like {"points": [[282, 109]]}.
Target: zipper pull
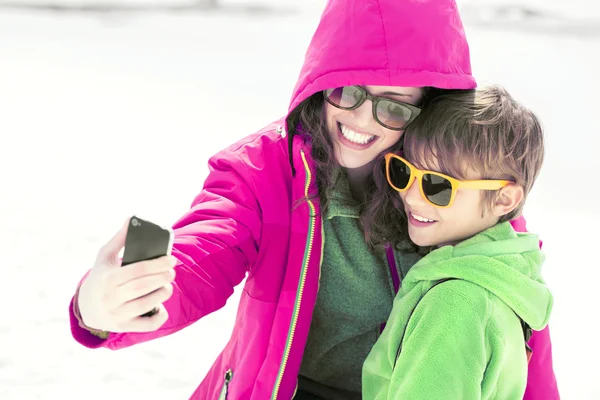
{"points": [[228, 375], [225, 389]]}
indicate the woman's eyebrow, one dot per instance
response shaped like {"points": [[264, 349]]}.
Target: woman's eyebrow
{"points": [[388, 93]]}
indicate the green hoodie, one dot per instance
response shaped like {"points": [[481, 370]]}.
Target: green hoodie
{"points": [[464, 340]]}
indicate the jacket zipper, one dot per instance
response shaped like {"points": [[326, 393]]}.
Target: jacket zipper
{"points": [[225, 389], [303, 272]]}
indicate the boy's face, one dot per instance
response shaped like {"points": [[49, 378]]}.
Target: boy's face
{"points": [[430, 226]]}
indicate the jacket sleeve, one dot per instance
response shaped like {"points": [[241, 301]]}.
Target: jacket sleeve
{"points": [[443, 353], [216, 243], [541, 381]]}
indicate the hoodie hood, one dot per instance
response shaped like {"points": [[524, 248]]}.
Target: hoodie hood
{"points": [[502, 261], [412, 43]]}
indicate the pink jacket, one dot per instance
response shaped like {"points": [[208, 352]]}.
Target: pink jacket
{"points": [[244, 224]]}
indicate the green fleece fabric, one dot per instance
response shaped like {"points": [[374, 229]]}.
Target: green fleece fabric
{"points": [[463, 339], [355, 297]]}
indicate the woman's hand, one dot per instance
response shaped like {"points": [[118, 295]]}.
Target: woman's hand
{"points": [[113, 298]]}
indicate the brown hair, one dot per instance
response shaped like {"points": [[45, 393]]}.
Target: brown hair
{"points": [[485, 130], [307, 120]]}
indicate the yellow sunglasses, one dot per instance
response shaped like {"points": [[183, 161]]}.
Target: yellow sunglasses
{"points": [[438, 189]]}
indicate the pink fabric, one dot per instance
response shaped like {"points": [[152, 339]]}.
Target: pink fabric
{"points": [[541, 381], [388, 43], [240, 225]]}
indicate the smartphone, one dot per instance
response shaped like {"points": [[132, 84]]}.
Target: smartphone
{"points": [[146, 241]]}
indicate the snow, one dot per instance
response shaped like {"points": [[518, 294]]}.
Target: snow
{"points": [[105, 114]]}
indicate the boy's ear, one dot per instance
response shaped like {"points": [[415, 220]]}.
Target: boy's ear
{"points": [[507, 199]]}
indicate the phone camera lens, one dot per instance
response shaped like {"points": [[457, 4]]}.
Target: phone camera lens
{"points": [[135, 222]]}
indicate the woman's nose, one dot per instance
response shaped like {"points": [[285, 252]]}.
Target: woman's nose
{"points": [[363, 115]]}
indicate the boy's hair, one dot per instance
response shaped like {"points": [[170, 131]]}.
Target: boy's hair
{"points": [[308, 119], [485, 130]]}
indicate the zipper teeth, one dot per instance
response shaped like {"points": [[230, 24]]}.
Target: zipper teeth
{"points": [[307, 252]]}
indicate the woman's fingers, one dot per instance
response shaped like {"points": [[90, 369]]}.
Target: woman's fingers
{"points": [[135, 308], [144, 324], [140, 287], [141, 269], [108, 254]]}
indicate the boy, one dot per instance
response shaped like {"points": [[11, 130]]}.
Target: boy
{"points": [[460, 321]]}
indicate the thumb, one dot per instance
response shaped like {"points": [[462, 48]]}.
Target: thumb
{"points": [[109, 252]]}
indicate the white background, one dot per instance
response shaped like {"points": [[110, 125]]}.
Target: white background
{"points": [[106, 114]]}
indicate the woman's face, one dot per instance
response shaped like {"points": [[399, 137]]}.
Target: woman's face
{"points": [[357, 137]]}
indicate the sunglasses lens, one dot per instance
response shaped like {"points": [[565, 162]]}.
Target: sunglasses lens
{"points": [[392, 114], [437, 189], [344, 97], [399, 173]]}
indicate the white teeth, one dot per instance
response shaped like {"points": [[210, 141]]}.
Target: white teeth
{"points": [[356, 137], [422, 219]]}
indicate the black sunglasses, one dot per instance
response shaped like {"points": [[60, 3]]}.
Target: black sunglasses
{"points": [[391, 114]]}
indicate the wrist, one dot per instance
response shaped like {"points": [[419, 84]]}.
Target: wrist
{"points": [[77, 313]]}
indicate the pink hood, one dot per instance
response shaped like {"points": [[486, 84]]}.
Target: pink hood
{"points": [[386, 43]]}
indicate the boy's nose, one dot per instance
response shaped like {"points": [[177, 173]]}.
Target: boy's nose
{"points": [[413, 195]]}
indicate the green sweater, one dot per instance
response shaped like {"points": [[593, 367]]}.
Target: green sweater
{"points": [[355, 297], [464, 339]]}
